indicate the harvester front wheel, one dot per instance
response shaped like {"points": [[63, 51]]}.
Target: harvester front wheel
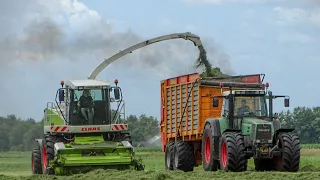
{"points": [[36, 160], [289, 145], [48, 153], [184, 157], [232, 152], [208, 144], [169, 156]]}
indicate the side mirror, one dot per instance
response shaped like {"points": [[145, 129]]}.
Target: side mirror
{"points": [[286, 102], [116, 92], [215, 102], [61, 95]]}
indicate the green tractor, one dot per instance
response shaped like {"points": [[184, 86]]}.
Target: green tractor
{"points": [[78, 139], [248, 128]]}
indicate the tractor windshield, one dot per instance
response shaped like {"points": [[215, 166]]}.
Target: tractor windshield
{"points": [[250, 106]]}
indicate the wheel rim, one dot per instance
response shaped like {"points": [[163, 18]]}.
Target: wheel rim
{"points": [[224, 154], [44, 157], [207, 150]]}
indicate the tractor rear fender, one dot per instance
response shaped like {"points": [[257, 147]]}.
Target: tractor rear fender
{"points": [[277, 132], [216, 134], [215, 126]]}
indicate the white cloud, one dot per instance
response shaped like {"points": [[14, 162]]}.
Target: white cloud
{"points": [[295, 37], [219, 2], [286, 16]]}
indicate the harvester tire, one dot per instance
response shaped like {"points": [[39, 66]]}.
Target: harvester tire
{"points": [[184, 157], [36, 160], [127, 137], [264, 164], [169, 156], [289, 145], [232, 152], [208, 144], [48, 152]]}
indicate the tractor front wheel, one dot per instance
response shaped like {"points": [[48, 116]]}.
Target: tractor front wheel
{"points": [[232, 152], [289, 146]]}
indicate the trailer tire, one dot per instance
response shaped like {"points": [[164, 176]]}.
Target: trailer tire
{"points": [[36, 160], [289, 145], [169, 156], [207, 150], [232, 152], [184, 157]]}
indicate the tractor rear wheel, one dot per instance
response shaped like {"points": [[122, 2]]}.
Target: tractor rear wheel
{"points": [[169, 156], [184, 157], [208, 144], [289, 145], [232, 152], [36, 160]]}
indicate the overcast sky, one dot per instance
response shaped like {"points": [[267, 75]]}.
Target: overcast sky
{"points": [[44, 42]]}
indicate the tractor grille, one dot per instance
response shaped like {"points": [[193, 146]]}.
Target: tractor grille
{"points": [[263, 132]]}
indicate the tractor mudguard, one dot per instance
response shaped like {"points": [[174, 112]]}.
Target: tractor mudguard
{"points": [[215, 126], [276, 133], [216, 134]]}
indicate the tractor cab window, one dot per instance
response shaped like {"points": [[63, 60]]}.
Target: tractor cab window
{"points": [[250, 106], [225, 112]]}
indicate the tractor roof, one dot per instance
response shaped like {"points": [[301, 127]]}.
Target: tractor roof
{"points": [[86, 83]]}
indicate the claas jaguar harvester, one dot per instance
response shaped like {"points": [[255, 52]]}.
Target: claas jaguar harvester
{"points": [[220, 123], [71, 144]]}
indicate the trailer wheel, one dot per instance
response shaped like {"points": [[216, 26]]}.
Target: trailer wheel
{"points": [[264, 164], [289, 145], [232, 152], [184, 157], [169, 156], [208, 162], [36, 160]]}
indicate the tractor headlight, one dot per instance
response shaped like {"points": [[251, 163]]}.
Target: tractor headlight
{"points": [[258, 141]]}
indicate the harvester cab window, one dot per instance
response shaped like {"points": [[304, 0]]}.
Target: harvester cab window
{"points": [[91, 110]]}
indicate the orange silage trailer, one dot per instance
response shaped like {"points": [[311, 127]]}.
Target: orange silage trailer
{"points": [[186, 104]]}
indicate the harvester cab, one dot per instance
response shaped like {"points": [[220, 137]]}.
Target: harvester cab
{"points": [[82, 132]]}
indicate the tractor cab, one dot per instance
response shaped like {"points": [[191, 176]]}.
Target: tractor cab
{"points": [[247, 103], [99, 94]]}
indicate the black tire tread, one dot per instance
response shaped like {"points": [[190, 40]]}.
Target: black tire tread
{"points": [[36, 153], [186, 158], [169, 152], [237, 160], [290, 152]]}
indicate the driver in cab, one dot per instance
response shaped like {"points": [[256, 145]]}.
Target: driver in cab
{"points": [[244, 109], [86, 105]]}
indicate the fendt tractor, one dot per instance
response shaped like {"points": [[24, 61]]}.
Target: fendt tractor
{"points": [[73, 143], [220, 123]]}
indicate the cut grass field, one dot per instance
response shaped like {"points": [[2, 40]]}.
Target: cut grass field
{"points": [[17, 165]]}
